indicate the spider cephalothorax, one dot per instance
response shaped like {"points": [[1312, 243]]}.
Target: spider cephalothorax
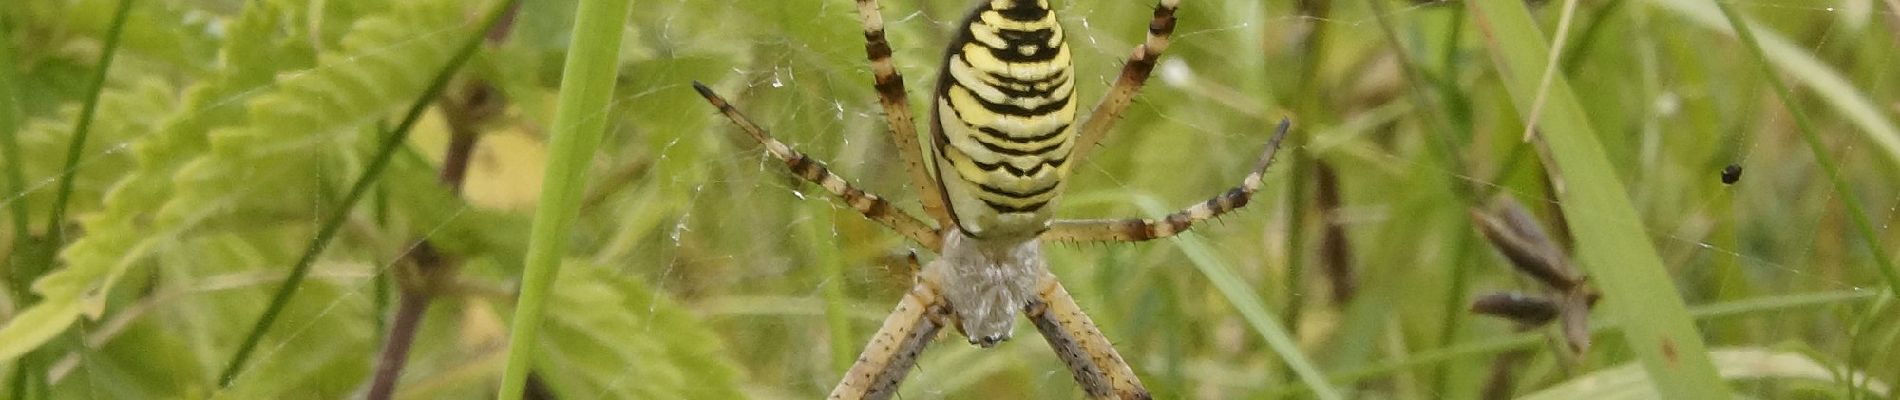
{"points": [[1003, 137], [986, 281]]}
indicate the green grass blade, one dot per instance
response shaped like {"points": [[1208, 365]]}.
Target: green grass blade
{"points": [[11, 118], [364, 182], [24, 270], [1439, 126], [55, 223], [587, 83], [1611, 241], [821, 244], [1525, 340], [1249, 304], [1744, 363], [1841, 189]]}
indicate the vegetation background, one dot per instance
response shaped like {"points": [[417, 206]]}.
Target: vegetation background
{"points": [[225, 132]]}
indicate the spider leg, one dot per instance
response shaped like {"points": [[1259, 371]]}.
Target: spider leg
{"points": [[872, 206], [897, 112], [1141, 62], [894, 349], [1090, 357], [1139, 229]]}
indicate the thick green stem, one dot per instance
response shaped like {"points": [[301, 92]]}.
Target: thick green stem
{"points": [[587, 84], [1609, 235]]}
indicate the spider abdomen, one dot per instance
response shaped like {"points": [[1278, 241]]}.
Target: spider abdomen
{"points": [[1004, 113]]}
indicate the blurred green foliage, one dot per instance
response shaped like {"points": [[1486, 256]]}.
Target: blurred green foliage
{"points": [[700, 269]]}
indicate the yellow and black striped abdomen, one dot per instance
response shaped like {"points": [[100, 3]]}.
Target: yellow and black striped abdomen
{"points": [[1004, 112]]}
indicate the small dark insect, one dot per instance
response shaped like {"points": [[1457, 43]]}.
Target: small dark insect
{"points": [[1731, 174]]}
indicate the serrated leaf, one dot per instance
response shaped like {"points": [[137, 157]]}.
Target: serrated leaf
{"points": [[260, 143], [119, 234], [311, 116], [610, 336], [125, 114]]}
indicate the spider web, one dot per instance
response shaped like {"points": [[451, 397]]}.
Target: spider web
{"points": [[1215, 107], [766, 257]]}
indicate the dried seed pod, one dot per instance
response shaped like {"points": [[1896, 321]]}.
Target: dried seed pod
{"points": [[1529, 311], [1517, 235], [1335, 249], [1574, 310]]}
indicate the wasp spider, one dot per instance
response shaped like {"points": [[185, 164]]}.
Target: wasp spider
{"points": [[1002, 140]]}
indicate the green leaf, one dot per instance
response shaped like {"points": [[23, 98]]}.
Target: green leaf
{"points": [[1629, 382], [36, 325], [125, 115], [613, 337]]}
